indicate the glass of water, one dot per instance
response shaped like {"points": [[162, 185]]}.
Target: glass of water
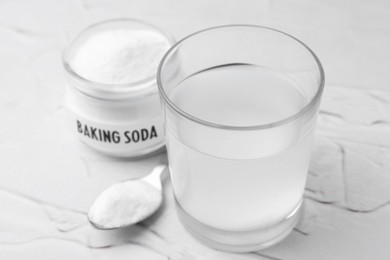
{"points": [[240, 106]]}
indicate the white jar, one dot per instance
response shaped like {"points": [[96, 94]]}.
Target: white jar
{"points": [[117, 115]]}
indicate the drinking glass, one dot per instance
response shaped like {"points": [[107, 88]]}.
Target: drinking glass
{"points": [[240, 104]]}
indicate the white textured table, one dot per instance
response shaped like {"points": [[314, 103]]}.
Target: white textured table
{"points": [[48, 180]]}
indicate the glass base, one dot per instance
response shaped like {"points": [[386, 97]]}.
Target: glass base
{"points": [[240, 241]]}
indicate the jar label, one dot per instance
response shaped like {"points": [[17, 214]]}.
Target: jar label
{"points": [[124, 140]]}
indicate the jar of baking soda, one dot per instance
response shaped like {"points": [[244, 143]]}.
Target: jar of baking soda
{"points": [[112, 97]]}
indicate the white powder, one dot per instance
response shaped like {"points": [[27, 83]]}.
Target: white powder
{"points": [[124, 203], [119, 56]]}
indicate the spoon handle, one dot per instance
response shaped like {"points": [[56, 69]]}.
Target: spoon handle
{"points": [[154, 178]]}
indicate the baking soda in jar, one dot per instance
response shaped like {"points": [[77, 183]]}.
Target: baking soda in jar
{"points": [[112, 95]]}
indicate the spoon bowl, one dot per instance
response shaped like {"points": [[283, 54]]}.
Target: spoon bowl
{"points": [[129, 202]]}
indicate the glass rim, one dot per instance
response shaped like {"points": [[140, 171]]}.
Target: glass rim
{"points": [[112, 87], [283, 121]]}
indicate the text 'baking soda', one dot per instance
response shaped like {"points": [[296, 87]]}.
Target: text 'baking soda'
{"points": [[109, 136]]}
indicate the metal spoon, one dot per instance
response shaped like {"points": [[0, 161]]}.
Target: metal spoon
{"points": [[129, 202]]}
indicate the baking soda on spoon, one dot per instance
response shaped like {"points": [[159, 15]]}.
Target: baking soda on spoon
{"points": [[129, 202]]}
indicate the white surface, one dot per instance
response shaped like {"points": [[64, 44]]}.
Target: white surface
{"points": [[48, 180]]}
